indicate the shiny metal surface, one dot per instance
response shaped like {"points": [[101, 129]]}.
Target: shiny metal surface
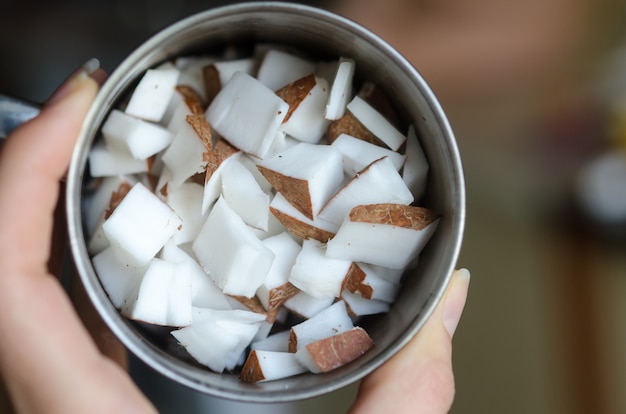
{"points": [[324, 34]]}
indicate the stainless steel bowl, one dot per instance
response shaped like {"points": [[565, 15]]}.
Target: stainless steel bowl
{"points": [[320, 33]]}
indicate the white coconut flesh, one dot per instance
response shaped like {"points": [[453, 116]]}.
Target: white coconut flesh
{"points": [[221, 210]]}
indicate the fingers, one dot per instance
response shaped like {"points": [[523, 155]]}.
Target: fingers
{"points": [[32, 161], [48, 362], [419, 379]]}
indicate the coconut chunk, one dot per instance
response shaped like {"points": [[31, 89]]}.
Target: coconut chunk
{"points": [[192, 98], [295, 92], [307, 306], [251, 164], [164, 296], [227, 68], [99, 200], [216, 161], [331, 321], [243, 325], [376, 123], [191, 73], [374, 95], [247, 114], [277, 342], [298, 224], [276, 288], [358, 154], [230, 253], [140, 226], [228, 332], [318, 274], [152, 95], [186, 201], [331, 353], [349, 125], [389, 235], [307, 98], [268, 366], [185, 156], [359, 306], [204, 292], [244, 195], [278, 68], [108, 162], [341, 90], [379, 182], [120, 282], [415, 171], [364, 280], [140, 138], [306, 175]]}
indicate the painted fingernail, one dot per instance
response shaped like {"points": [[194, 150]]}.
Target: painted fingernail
{"points": [[455, 301], [89, 68]]}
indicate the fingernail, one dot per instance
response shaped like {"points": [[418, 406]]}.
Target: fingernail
{"points": [[455, 300], [89, 68]]}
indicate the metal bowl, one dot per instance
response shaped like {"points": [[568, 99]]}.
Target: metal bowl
{"points": [[319, 33]]}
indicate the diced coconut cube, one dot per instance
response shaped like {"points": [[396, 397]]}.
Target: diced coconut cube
{"points": [[306, 175], [360, 306], [389, 235], [268, 366], [331, 321], [107, 162], [276, 287], [307, 306], [306, 122], [204, 292], [244, 195], [331, 353], [379, 182], [236, 329], [191, 72], [278, 68], [185, 156], [376, 123], [120, 282], [227, 68], [140, 226], [277, 342], [247, 114], [317, 274], [365, 281], [98, 201], [341, 90], [230, 253], [186, 201], [298, 224], [415, 171], [194, 339], [221, 155], [152, 95], [358, 154], [164, 296]]}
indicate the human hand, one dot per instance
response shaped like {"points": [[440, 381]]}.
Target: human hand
{"points": [[419, 379], [48, 361]]}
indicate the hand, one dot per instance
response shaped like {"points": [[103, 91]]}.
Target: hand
{"points": [[419, 378], [48, 361]]}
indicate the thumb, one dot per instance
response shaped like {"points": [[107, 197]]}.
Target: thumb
{"points": [[419, 379]]}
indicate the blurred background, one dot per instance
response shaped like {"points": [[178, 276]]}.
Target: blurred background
{"points": [[536, 94]]}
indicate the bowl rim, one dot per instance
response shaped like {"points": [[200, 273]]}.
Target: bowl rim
{"points": [[105, 99]]}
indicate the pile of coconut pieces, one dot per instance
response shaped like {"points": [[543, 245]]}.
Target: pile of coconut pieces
{"points": [[230, 193]]}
